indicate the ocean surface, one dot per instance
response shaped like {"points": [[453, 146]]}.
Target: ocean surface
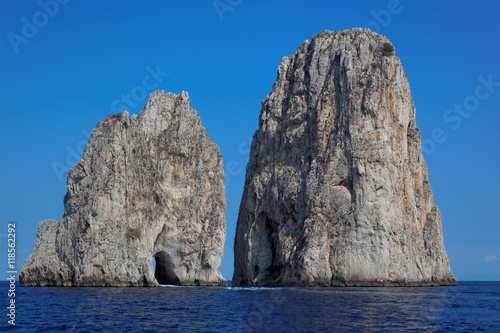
{"points": [[469, 307]]}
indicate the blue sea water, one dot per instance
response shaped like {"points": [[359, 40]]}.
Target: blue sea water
{"points": [[469, 307]]}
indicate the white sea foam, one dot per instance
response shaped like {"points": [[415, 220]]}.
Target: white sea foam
{"points": [[253, 288]]}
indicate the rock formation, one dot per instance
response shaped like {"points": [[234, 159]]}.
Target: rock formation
{"points": [[147, 186], [336, 190]]}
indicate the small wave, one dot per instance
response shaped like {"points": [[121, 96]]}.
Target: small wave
{"points": [[169, 286], [253, 288]]}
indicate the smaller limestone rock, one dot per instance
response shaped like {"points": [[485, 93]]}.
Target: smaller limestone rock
{"points": [[150, 186]]}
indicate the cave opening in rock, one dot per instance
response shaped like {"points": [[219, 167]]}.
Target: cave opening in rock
{"points": [[268, 268], [164, 272]]}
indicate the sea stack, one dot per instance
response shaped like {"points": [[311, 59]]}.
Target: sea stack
{"points": [[337, 191], [149, 186]]}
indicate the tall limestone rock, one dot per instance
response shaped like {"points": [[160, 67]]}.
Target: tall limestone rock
{"points": [[147, 186], [336, 190]]}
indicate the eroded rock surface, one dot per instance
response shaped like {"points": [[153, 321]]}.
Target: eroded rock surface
{"points": [[336, 190], [147, 186]]}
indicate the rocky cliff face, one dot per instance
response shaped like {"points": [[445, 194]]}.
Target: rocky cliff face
{"points": [[147, 186], [337, 190]]}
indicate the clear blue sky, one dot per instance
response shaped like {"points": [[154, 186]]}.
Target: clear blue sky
{"points": [[58, 81]]}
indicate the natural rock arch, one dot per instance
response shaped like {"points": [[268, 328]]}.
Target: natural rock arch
{"points": [[164, 272]]}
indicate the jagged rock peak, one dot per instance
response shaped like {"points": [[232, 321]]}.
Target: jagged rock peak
{"points": [[337, 191], [149, 186]]}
